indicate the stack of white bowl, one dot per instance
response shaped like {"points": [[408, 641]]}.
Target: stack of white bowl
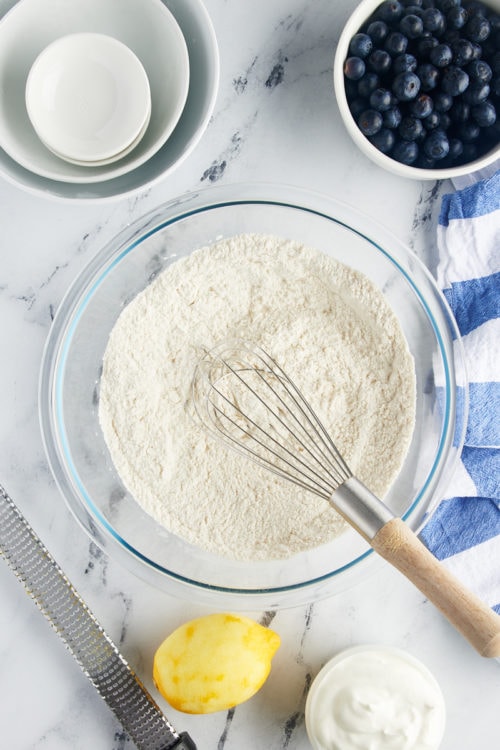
{"points": [[99, 98]]}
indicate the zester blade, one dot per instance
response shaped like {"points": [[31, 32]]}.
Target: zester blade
{"points": [[92, 648]]}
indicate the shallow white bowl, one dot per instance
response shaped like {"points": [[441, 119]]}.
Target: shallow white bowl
{"points": [[88, 97], [111, 159], [33, 24], [363, 10]]}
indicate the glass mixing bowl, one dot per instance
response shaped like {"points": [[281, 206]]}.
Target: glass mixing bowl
{"points": [[69, 390]]}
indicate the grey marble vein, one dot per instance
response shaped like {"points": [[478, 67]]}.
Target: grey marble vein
{"points": [[296, 719]]}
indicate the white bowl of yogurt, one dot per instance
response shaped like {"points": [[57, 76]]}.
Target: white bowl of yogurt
{"points": [[375, 697]]}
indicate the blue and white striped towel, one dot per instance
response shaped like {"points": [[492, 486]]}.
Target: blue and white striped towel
{"points": [[464, 531]]}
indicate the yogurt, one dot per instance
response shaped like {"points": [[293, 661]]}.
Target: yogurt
{"points": [[375, 698]]}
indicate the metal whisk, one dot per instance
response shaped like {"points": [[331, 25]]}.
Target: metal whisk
{"points": [[244, 397]]}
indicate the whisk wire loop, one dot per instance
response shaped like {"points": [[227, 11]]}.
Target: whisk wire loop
{"points": [[244, 396], [320, 437], [297, 478], [275, 448]]}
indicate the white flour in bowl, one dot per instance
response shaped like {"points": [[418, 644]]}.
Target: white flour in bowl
{"points": [[330, 329]]}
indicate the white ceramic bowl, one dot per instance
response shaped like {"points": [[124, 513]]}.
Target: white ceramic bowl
{"points": [[142, 25], [88, 98], [166, 65], [367, 690], [111, 159], [363, 10], [70, 382]]}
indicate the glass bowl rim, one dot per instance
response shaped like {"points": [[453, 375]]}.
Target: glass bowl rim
{"points": [[86, 284]]}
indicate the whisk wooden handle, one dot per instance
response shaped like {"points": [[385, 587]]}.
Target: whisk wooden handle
{"points": [[479, 624]]}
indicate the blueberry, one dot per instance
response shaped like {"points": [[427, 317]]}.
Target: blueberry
{"points": [[351, 88], [432, 121], [422, 106], [442, 101], [354, 68], [360, 45], [357, 106], [495, 62], [434, 21], [495, 86], [492, 133], [380, 61], [470, 152], [463, 51], [460, 111], [484, 114], [377, 31], [411, 26], [436, 145], [367, 84], [425, 45], [391, 118], [396, 43], [469, 131], [411, 128], [476, 92], [414, 9], [479, 70], [477, 51], [451, 36], [444, 121], [489, 46], [404, 64], [405, 152], [456, 148], [447, 5], [456, 18], [370, 122], [441, 56], [477, 29], [390, 11], [428, 75], [383, 140], [494, 19], [476, 8], [406, 86], [454, 80], [424, 162], [380, 99]]}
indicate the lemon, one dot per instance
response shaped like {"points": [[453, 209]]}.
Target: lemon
{"points": [[214, 662]]}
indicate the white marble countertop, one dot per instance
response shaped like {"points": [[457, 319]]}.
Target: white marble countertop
{"points": [[275, 120]]}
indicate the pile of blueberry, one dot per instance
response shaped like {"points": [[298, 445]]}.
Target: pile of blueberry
{"points": [[422, 80]]}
